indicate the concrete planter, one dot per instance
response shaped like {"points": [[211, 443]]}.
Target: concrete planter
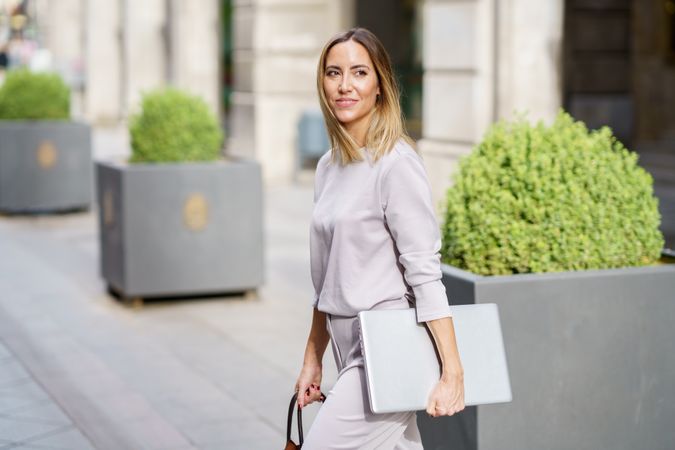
{"points": [[45, 166], [180, 229], [590, 358]]}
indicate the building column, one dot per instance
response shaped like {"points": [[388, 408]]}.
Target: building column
{"points": [[240, 139], [484, 60], [64, 37], [194, 43], [458, 84], [530, 71], [277, 45], [143, 50], [103, 61]]}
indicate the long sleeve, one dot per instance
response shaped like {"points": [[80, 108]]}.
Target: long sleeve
{"points": [[407, 204], [316, 249]]}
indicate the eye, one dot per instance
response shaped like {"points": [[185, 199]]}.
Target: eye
{"points": [[361, 73], [332, 73]]}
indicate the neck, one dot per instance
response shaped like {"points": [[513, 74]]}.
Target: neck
{"points": [[358, 129]]}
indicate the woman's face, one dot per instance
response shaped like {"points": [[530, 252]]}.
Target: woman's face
{"points": [[350, 83]]}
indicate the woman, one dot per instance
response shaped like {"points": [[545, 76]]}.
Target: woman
{"points": [[374, 245]]}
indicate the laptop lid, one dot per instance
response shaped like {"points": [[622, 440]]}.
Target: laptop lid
{"points": [[402, 366]]}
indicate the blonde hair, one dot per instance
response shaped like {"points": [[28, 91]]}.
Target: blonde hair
{"points": [[386, 126]]}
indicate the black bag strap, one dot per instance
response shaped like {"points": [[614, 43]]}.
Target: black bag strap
{"points": [[289, 422]]}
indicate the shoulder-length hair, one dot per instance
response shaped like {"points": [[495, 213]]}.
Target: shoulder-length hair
{"points": [[386, 125]]}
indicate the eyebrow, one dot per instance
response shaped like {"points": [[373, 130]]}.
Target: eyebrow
{"points": [[358, 66]]}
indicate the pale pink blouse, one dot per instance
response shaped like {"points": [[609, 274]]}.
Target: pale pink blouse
{"points": [[374, 238]]}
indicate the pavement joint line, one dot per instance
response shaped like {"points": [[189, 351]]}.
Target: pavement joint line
{"points": [[41, 436], [83, 413], [16, 382], [279, 426], [45, 247], [15, 337], [276, 426], [16, 412], [218, 332], [219, 386]]}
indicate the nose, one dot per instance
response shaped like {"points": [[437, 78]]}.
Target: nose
{"points": [[345, 84]]}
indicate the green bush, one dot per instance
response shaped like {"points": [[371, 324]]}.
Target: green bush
{"points": [[174, 126], [546, 199], [33, 96]]}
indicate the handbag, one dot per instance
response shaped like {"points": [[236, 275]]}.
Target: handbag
{"points": [[290, 445]]}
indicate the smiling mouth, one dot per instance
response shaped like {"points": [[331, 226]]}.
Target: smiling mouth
{"points": [[345, 103]]}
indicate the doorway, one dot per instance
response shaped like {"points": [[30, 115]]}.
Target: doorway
{"points": [[619, 70], [397, 23]]}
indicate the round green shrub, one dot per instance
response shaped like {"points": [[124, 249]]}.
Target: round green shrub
{"points": [[34, 96], [546, 199], [174, 126]]}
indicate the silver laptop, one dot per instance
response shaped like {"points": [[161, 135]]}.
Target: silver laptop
{"points": [[402, 365]]}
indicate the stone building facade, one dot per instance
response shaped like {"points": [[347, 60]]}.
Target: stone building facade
{"points": [[481, 59], [115, 50], [276, 47], [608, 62], [463, 65]]}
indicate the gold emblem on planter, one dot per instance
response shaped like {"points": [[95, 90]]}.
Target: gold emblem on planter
{"points": [[108, 210], [46, 155], [196, 212]]}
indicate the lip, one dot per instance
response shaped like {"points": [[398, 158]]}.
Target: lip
{"points": [[344, 102]]}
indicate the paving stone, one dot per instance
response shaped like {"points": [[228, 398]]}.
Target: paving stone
{"points": [[152, 434], [11, 372], [29, 390], [68, 439], [228, 431], [189, 447], [249, 443], [126, 406], [4, 351], [19, 430], [45, 411], [42, 324], [9, 403], [26, 447], [187, 410]]}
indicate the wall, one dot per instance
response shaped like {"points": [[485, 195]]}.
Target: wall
{"points": [[123, 48], [483, 60], [276, 48]]}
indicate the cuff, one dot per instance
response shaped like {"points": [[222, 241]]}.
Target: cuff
{"points": [[431, 302], [315, 300]]}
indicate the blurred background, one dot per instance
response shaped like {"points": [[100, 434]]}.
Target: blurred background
{"points": [[461, 65], [205, 374]]}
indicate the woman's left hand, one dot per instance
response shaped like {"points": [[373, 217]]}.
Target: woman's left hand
{"points": [[447, 397]]}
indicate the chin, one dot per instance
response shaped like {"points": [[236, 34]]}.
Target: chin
{"points": [[346, 118]]}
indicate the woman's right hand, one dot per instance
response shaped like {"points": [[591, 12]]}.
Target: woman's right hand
{"points": [[308, 385]]}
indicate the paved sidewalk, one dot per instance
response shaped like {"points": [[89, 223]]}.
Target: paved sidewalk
{"points": [[211, 373], [29, 417]]}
